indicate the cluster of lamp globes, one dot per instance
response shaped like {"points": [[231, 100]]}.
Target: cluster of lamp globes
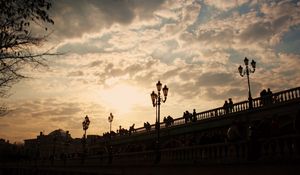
{"points": [[86, 123], [156, 97], [247, 70]]}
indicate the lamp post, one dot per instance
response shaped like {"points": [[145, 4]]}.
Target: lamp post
{"points": [[156, 101], [247, 71], [110, 120], [85, 126]]}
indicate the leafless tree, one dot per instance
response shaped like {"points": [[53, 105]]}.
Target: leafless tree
{"points": [[18, 20]]}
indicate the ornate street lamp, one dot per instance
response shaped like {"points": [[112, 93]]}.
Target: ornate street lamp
{"points": [[85, 126], [247, 72], [110, 120], [156, 101]]}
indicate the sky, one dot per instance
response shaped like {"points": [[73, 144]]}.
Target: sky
{"points": [[115, 51]]}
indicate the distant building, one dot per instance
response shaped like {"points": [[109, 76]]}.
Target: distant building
{"points": [[55, 144]]}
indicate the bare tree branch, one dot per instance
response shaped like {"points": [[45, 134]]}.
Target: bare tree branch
{"points": [[17, 40]]}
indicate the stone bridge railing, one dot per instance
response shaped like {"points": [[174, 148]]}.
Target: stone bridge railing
{"points": [[265, 150], [284, 148], [257, 103]]}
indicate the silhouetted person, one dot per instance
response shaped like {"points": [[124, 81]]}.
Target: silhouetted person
{"points": [[186, 116], [269, 96], [131, 129], [194, 115], [189, 116], [120, 130], [263, 95], [226, 107], [169, 121], [147, 126], [230, 105]]}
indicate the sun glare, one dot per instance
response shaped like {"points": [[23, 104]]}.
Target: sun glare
{"points": [[122, 98]]}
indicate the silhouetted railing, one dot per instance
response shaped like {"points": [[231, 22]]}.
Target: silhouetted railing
{"points": [[268, 149], [283, 148], [260, 102]]}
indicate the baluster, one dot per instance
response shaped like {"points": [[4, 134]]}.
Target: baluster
{"points": [[255, 103], [285, 97], [280, 97]]}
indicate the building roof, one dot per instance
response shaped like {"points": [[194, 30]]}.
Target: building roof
{"points": [[58, 132]]}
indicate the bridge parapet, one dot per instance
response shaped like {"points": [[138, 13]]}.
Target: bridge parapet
{"points": [[283, 149], [278, 98]]}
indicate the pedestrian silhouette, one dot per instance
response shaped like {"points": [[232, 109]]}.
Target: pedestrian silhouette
{"points": [[230, 105], [194, 115], [226, 107]]}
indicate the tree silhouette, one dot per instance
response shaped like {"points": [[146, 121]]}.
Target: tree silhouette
{"points": [[18, 18]]}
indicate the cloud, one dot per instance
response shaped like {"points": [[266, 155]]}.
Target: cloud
{"points": [[192, 46], [75, 74], [76, 18], [225, 5], [95, 63], [215, 79], [31, 117]]}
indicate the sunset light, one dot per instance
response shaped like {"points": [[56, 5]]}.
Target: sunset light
{"points": [[122, 98]]}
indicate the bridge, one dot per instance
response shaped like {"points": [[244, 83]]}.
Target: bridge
{"points": [[184, 149]]}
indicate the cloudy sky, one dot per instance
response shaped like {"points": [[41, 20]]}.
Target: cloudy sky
{"points": [[116, 50]]}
